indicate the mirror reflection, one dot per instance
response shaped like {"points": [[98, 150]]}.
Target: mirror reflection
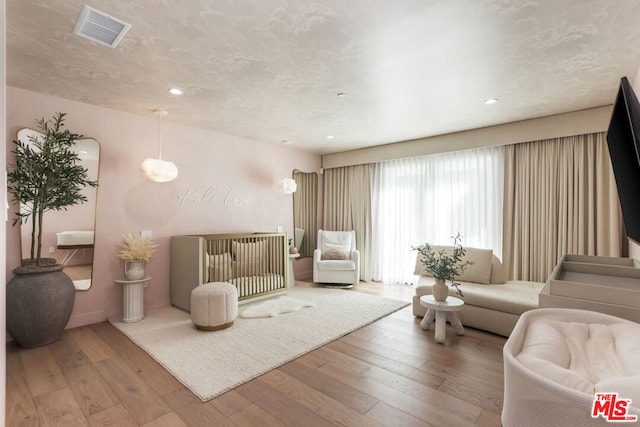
{"points": [[305, 212], [69, 234]]}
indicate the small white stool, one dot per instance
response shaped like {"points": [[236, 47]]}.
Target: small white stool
{"points": [[442, 311], [214, 306]]}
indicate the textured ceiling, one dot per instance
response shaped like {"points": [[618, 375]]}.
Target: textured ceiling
{"points": [[270, 70]]}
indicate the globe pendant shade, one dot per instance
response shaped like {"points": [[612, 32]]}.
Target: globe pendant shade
{"points": [[158, 170]]}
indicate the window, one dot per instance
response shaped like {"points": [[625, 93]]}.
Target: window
{"points": [[430, 199]]}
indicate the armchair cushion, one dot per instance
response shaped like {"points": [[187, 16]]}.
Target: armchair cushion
{"points": [[335, 245], [336, 265]]}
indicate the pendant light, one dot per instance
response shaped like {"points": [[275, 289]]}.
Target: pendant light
{"points": [[158, 170]]}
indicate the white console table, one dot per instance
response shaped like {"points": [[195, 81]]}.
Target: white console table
{"points": [[133, 299], [604, 284]]}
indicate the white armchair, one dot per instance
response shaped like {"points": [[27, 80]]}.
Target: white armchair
{"points": [[336, 261]]}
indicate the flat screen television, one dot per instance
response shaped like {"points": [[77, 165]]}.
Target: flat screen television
{"points": [[623, 139]]}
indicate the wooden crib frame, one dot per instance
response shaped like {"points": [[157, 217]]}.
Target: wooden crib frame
{"points": [[256, 263]]}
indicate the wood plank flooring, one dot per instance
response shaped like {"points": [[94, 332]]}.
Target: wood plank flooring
{"points": [[389, 373]]}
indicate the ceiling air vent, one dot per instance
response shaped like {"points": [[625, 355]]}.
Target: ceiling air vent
{"points": [[100, 27]]}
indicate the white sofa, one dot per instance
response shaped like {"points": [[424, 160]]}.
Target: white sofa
{"points": [[491, 304], [556, 361]]}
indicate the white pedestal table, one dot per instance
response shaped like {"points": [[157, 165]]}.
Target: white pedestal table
{"points": [[442, 311], [133, 299]]}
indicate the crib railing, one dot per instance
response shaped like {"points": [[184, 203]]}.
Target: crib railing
{"points": [[256, 263]]}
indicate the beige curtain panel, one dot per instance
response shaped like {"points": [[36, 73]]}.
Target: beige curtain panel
{"points": [[305, 209], [560, 197], [347, 206]]}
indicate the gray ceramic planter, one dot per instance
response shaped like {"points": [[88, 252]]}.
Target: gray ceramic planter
{"points": [[39, 304]]}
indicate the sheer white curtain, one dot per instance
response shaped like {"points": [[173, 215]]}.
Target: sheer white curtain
{"points": [[430, 199]]}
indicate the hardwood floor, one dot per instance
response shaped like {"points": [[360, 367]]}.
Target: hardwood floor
{"points": [[388, 373]]}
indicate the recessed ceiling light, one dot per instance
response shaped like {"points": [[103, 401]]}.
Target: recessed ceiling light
{"points": [[490, 101], [175, 91], [341, 94], [330, 136]]}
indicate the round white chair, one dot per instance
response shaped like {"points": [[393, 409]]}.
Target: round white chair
{"points": [[214, 306], [557, 359]]}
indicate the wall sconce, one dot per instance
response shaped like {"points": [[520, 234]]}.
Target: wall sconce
{"points": [[287, 186], [158, 170]]}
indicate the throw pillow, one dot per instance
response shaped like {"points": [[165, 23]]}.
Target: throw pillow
{"points": [[220, 267], [335, 254], [251, 252]]}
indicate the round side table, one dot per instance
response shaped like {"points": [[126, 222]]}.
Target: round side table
{"points": [[133, 299], [442, 311]]}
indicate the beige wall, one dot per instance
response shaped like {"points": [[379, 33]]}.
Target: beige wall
{"points": [[576, 123]]}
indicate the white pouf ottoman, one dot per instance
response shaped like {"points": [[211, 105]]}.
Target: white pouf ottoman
{"points": [[214, 306]]}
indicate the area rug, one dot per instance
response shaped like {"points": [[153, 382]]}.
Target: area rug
{"points": [[211, 363], [273, 307]]}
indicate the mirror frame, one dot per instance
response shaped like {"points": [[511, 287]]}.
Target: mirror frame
{"points": [[308, 219], [22, 136]]}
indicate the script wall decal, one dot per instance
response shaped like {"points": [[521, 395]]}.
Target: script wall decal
{"points": [[212, 197]]}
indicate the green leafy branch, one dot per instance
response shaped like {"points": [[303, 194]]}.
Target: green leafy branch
{"points": [[47, 175], [443, 266]]}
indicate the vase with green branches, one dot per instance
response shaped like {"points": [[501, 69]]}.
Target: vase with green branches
{"points": [[444, 266]]}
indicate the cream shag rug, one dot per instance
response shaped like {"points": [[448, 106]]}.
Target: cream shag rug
{"points": [[211, 363]]}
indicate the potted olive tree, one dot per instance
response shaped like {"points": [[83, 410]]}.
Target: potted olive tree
{"points": [[46, 175], [444, 266]]}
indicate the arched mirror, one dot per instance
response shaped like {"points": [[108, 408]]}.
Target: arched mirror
{"points": [[305, 212], [69, 234]]}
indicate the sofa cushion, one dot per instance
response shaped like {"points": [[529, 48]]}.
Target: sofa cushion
{"points": [[513, 297], [497, 271], [478, 272]]}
